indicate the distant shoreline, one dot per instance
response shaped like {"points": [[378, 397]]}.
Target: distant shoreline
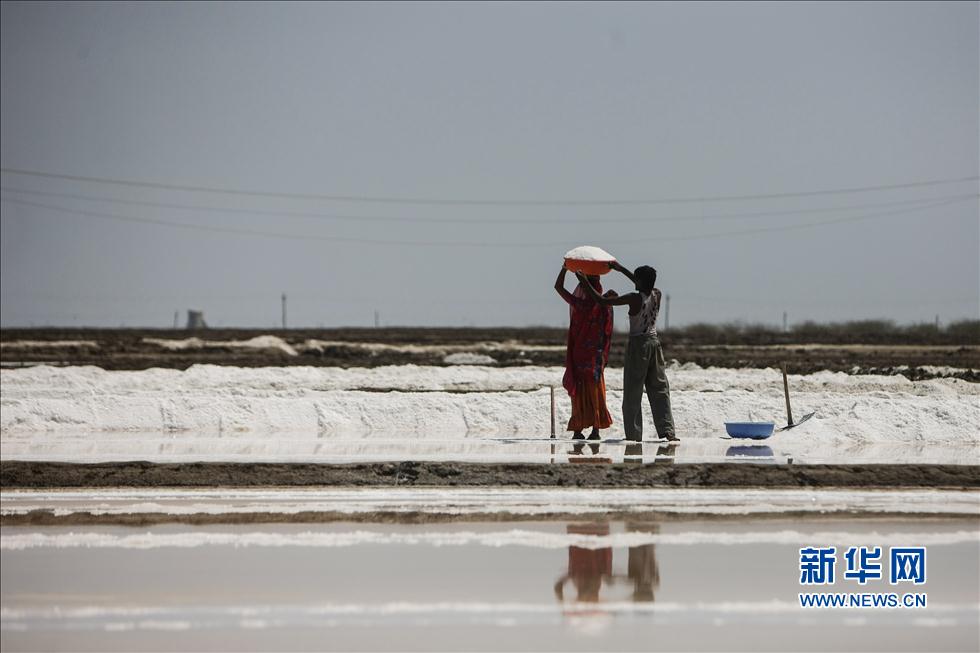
{"points": [[916, 353]]}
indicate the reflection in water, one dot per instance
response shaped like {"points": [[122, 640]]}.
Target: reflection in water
{"points": [[633, 453], [664, 455], [642, 568], [578, 449], [589, 570], [754, 450]]}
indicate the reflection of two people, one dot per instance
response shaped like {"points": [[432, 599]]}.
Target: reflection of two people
{"points": [[578, 449], [633, 452], [589, 569], [665, 453]]}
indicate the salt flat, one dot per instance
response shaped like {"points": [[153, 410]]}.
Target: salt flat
{"points": [[463, 413], [486, 502]]}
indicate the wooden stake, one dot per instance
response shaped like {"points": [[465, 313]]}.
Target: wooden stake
{"points": [[789, 411], [552, 411]]}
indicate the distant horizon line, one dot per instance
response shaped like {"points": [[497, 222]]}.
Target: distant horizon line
{"points": [[620, 327]]}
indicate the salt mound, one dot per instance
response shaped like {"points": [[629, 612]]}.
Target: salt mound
{"points": [[175, 345], [260, 343], [467, 358], [41, 344], [589, 253], [268, 343], [426, 401]]}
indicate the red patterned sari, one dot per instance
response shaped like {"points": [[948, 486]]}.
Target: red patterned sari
{"points": [[589, 336]]}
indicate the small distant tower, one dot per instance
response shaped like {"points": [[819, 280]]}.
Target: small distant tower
{"points": [[667, 314], [195, 320], [377, 319], [284, 310]]}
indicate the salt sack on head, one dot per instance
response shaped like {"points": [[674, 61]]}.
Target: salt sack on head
{"points": [[588, 260]]}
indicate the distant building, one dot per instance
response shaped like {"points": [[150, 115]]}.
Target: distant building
{"points": [[195, 320]]}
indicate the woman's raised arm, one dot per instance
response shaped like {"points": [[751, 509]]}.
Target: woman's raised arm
{"points": [[560, 286]]}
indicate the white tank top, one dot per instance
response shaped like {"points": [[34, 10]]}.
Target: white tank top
{"points": [[644, 322]]}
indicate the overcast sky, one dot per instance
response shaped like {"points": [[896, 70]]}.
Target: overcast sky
{"points": [[549, 123]]}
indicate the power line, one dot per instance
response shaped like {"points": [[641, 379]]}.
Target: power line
{"points": [[495, 220], [807, 225], [810, 301], [480, 202], [270, 234]]}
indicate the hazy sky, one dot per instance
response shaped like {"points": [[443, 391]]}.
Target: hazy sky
{"points": [[539, 103]]}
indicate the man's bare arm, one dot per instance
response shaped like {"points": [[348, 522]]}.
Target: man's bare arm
{"points": [[630, 299], [619, 268]]}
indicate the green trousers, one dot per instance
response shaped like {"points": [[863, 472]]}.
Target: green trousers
{"points": [[645, 369]]}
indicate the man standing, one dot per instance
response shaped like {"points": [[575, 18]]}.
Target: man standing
{"points": [[644, 367]]}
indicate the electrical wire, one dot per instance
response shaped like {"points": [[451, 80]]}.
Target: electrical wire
{"points": [[482, 202], [340, 239], [496, 220]]}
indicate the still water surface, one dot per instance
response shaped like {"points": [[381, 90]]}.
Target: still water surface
{"points": [[713, 584]]}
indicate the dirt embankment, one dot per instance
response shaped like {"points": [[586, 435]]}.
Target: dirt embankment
{"points": [[127, 349], [41, 475], [22, 474]]}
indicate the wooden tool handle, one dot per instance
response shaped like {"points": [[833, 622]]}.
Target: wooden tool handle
{"points": [[789, 411]]}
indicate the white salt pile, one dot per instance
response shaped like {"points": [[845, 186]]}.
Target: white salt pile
{"points": [[44, 344], [467, 358], [589, 253], [259, 343], [319, 346], [481, 400]]}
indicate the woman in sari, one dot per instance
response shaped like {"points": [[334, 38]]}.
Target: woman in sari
{"points": [[589, 335]]}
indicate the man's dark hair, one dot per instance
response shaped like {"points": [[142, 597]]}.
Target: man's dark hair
{"points": [[646, 277]]}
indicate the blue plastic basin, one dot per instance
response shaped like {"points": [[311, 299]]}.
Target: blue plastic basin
{"points": [[751, 430]]}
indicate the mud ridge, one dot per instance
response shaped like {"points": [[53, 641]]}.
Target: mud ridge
{"points": [[24, 474]]}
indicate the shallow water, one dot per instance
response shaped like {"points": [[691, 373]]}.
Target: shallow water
{"points": [[792, 446], [720, 584]]}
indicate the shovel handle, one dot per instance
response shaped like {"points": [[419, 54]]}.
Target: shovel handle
{"points": [[789, 411]]}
